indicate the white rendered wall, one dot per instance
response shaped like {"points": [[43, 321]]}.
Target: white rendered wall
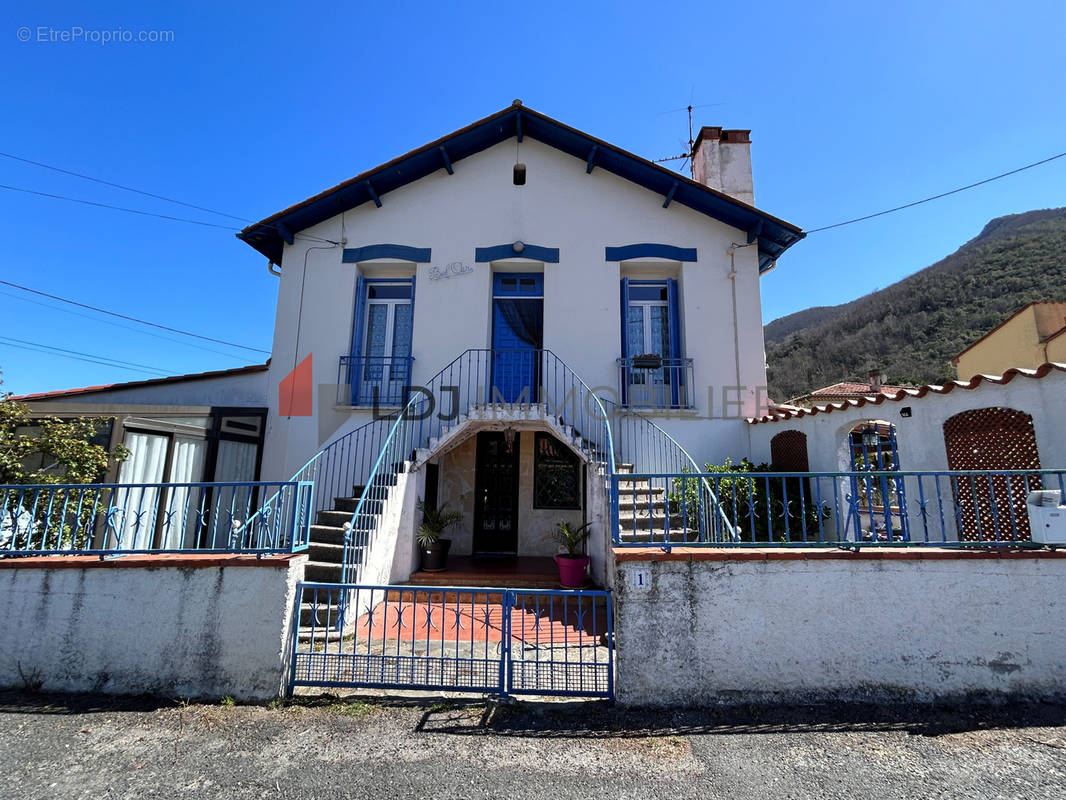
{"points": [[705, 632], [920, 437], [560, 206], [167, 630]]}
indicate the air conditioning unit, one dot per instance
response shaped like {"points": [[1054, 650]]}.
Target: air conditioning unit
{"points": [[1047, 517]]}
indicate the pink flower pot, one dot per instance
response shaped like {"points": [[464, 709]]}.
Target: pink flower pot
{"points": [[572, 570]]}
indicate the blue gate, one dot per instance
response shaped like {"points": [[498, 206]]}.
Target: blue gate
{"points": [[492, 641]]}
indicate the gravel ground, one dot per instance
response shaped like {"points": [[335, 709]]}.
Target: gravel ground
{"points": [[329, 747]]}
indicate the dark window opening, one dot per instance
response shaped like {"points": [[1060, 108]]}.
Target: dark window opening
{"points": [[556, 475]]}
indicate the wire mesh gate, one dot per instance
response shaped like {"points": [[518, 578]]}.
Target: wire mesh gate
{"points": [[502, 641]]}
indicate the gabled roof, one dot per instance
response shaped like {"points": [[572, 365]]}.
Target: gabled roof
{"points": [[781, 413], [110, 387], [268, 236]]}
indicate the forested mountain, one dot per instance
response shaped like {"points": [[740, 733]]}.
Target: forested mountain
{"points": [[913, 328]]}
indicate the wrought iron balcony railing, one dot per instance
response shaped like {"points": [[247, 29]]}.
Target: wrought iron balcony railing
{"points": [[651, 381], [373, 380]]}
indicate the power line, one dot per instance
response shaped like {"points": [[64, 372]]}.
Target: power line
{"points": [[80, 356], [132, 319], [120, 186], [308, 237], [117, 208], [120, 325], [936, 196]]}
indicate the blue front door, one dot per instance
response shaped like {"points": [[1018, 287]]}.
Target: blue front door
{"points": [[517, 336]]}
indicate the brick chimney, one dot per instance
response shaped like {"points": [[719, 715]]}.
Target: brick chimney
{"points": [[875, 381], [721, 159]]}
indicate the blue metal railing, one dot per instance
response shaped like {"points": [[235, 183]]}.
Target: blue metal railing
{"points": [[117, 519], [503, 641], [471, 384], [655, 382], [650, 449], [844, 509], [373, 380]]}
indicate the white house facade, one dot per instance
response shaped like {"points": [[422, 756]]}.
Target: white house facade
{"points": [[533, 280]]}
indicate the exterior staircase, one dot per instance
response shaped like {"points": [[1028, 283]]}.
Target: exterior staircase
{"points": [[326, 557], [643, 511], [509, 413]]}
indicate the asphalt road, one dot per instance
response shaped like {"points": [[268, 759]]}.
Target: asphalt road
{"points": [[81, 747]]}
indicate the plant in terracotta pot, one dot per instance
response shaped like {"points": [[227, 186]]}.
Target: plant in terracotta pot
{"points": [[432, 548], [573, 563]]}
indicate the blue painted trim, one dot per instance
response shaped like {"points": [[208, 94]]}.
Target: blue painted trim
{"points": [[403, 252], [591, 161], [359, 320], [650, 250], [675, 339], [670, 195], [776, 237], [533, 252], [625, 339], [373, 194], [286, 234], [518, 125], [755, 232], [447, 160]]}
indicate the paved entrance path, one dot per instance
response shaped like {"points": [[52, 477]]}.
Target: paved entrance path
{"points": [[87, 747]]}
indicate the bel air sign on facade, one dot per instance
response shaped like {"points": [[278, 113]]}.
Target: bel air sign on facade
{"points": [[452, 270]]}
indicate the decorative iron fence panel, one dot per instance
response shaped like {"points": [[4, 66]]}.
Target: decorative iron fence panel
{"points": [[894, 508], [481, 640]]}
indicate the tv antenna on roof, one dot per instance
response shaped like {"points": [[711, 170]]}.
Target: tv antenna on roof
{"points": [[691, 141]]}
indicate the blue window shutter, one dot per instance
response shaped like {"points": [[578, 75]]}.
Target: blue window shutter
{"points": [[677, 374], [623, 374], [357, 336], [675, 318]]}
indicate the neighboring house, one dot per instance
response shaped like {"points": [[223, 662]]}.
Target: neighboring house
{"points": [[507, 267], [1034, 335], [184, 429], [845, 390]]}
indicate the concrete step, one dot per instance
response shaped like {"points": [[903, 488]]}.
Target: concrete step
{"points": [[329, 553], [655, 521], [626, 493], [338, 519], [372, 505], [327, 534], [324, 571], [638, 506]]}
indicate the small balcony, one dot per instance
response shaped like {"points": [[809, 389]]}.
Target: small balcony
{"points": [[651, 381], [373, 380]]}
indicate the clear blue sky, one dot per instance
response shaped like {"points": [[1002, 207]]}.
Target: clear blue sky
{"points": [[853, 108]]}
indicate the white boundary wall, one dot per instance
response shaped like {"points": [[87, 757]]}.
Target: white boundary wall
{"points": [[174, 629], [920, 437], [832, 627]]}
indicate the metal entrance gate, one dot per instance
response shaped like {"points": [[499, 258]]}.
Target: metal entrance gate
{"points": [[502, 641]]}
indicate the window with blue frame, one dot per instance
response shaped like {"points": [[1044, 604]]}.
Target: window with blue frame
{"points": [[653, 371], [379, 367]]}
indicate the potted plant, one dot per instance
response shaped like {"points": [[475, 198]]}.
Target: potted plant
{"points": [[431, 547], [573, 563], [648, 361]]}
